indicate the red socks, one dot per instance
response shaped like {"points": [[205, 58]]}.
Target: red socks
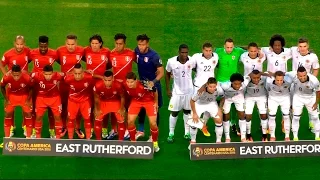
{"points": [[154, 134]]}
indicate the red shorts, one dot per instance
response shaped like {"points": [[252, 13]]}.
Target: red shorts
{"points": [[17, 100], [107, 107], [135, 107], [43, 103], [84, 108]]}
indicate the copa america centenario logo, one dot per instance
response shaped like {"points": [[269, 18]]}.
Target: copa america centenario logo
{"points": [[197, 151], [11, 146]]}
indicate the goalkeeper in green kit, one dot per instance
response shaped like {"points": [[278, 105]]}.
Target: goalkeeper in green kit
{"points": [[229, 57]]}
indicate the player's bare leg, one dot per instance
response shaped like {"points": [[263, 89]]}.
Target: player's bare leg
{"points": [[131, 126], [219, 128], [242, 125], [154, 132]]}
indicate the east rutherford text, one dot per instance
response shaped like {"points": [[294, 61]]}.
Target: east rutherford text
{"points": [[280, 149], [103, 149]]}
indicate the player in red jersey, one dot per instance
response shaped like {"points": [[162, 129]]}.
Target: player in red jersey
{"points": [[68, 56], [109, 98], [142, 97], [16, 55], [41, 57], [18, 90], [121, 59], [96, 57], [80, 94], [48, 96]]}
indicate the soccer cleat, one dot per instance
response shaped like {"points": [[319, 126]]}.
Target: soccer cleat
{"points": [[282, 126], [24, 130], [272, 139], [1, 145], [112, 134], [92, 131], [104, 133], [170, 138], [33, 135], [287, 139], [12, 131], [150, 139], [187, 136], [205, 131], [317, 138], [249, 138], [156, 147], [79, 133], [52, 134], [228, 140], [311, 127], [244, 140], [191, 142], [63, 132], [139, 134], [127, 135], [296, 139], [264, 138]]}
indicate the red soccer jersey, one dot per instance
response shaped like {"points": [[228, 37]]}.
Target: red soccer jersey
{"points": [[39, 60], [97, 61], [47, 88], [19, 87], [139, 93], [69, 59], [80, 91], [122, 63], [11, 57], [108, 94]]}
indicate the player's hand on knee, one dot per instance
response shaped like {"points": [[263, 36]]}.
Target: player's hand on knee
{"points": [[169, 93], [122, 111], [195, 118], [315, 106], [155, 105], [97, 112]]}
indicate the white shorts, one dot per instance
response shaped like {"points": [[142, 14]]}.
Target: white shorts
{"points": [[238, 102], [179, 102], [283, 101], [211, 108], [251, 101], [298, 102]]}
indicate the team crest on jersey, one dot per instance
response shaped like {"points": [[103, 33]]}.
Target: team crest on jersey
{"points": [[307, 61], [146, 59], [307, 87], [128, 92], [102, 94], [213, 62], [127, 58], [259, 61], [103, 57], [233, 57], [54, 81], [189, 66], [139, 94], [64, 58], [114, 92], [78, 57], [50, 60], [26, 58], [85, 84], [284, 57]]}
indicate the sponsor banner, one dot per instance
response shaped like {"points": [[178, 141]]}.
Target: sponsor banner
{"points": [[77, 147], [238, 150]]}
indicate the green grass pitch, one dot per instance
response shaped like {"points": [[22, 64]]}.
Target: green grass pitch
{"points": [[169, 23]]}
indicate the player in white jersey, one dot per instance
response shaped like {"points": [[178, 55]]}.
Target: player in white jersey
{"points": [[181, 69], [205, 63], [301, 56], [277, 55], [278, 87], [306, 93], [206, 102], [255, 94], [251, 60], [234, 94]]}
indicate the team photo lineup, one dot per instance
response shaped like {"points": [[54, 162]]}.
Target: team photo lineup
{"points": [[96, 85]]}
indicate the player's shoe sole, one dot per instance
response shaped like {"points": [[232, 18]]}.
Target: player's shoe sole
{"points": [[79, 133], [170, 138], [52, 134], [296, 139], [24, 130], [286, 139], [205, 131]]}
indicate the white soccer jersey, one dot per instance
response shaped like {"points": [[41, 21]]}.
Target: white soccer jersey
{"points": [[277, 62], [256, 90], [182, 76], [206, 97], [229, 92], [204, 68], [278, 91], [306, 89], [250, 64], [309, 61]]}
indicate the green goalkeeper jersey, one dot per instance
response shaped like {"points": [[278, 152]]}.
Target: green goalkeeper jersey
{"points": [[228, 63]]}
